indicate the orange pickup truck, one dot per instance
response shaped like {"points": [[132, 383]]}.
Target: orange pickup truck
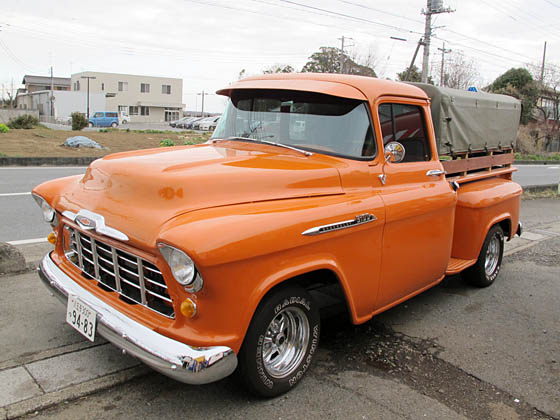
{"points": [[200, 260]]}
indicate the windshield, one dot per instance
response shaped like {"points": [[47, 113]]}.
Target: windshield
{"points": [[318, 122]]}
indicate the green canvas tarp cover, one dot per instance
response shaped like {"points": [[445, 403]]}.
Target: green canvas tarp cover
{"points": [[467, 121]]}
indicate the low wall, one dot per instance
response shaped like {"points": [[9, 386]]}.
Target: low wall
{"points": [[8, 114]]}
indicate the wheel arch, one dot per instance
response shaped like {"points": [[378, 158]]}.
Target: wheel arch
{"points": [[309, 278]]}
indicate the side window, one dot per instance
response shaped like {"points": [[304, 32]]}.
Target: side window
{"points": [[98, 115], [405, 124]]}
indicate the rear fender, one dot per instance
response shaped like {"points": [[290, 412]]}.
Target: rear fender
{"points": [[481, 205]]}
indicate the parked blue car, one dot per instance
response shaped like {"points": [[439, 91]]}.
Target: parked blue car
{"points": [[104, 119]]}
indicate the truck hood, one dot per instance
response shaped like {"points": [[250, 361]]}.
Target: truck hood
{"points": [[139, 191]]}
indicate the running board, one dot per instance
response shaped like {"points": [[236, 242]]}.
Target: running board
{"points": [[457, 265]]}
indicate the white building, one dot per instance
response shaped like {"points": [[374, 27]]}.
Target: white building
{"points": [[64, 103], [143, 98]]}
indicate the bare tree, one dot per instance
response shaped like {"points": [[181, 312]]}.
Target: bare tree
{"points": [[10, 94], [279, 68], [459, 71], [548, 104]]}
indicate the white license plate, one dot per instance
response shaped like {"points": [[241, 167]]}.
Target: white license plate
{"points": [[81, 317]]}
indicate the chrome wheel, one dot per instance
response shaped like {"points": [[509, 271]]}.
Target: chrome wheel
{"points": [[285, 342], [492, 255]]}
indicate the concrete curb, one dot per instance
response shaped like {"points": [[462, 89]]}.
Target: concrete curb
{"points": [[73, 392], [46, 161], [539, 188], [84, 161]]}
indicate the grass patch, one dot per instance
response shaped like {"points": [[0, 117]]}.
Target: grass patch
{"points": [[533, 195], [166, 143], [540, 157]]}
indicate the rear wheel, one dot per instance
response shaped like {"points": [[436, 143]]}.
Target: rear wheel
{"points": [[114, 124], [280, 343], [487, 267]]}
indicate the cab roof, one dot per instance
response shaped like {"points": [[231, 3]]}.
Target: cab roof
{"points": [[341, 85]]}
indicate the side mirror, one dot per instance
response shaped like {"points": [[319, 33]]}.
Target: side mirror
{"points": [[394, 152]]}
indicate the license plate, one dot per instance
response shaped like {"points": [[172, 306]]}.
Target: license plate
{"points": [[81, 317]]}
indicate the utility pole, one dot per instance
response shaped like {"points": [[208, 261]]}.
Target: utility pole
{"points": [[52, 93], [443, 51], [542, 67], [88, 77], [420, 43], [341, 64], [434, 7], [203, 95], [342, 54]]}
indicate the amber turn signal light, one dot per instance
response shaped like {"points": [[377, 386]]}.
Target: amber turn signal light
{"points": [[188, 308], [52, 238]]}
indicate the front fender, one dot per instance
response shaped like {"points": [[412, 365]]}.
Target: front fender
{"points": [[243, 251]]}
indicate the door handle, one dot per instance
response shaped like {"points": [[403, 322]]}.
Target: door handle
{"points": [[435, 172]]}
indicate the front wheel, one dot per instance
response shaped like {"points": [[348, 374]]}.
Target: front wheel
{"points": [[280, 342], [487, 267], [90, 124]]}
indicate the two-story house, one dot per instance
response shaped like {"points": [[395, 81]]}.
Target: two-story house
{"points": [[143, 98]]}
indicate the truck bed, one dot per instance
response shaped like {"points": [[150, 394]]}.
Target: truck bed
{"points": [[472, 167]]}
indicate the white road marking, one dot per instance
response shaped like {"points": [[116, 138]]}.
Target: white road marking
{"points": [[8, 168], [552, 167], [28, 241], [13, 194]]}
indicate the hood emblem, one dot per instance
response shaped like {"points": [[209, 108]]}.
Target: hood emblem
{"points": [[88, 220], [85, 223]]}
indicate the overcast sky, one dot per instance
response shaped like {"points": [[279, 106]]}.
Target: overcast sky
{"points": [[208, 42]]}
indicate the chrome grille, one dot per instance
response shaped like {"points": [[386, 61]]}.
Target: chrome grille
{"points": [[136, 280]]}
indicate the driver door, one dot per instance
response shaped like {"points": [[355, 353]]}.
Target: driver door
{"points": [[420, 206]]}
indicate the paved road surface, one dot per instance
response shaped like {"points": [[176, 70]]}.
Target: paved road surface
{"points": [[21, 219], [537, 174], [453, 352]]}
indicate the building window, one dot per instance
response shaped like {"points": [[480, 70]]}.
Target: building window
{"points": [[144, 110], [144, 88], [123, 86], [102, 86], [77, 85], [166, 89], [123, 108], [133, 110]]}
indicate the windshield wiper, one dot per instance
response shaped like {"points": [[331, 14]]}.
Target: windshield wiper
{"points": [[272, 143]]}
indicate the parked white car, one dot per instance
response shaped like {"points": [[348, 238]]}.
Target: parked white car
{"points": [[124, 118], [209, 123]]}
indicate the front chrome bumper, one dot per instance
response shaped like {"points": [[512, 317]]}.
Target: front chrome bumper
{"points": [[170, 357]]}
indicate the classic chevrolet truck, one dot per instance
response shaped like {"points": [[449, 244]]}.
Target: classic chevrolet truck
{"points": [[200, 260]]}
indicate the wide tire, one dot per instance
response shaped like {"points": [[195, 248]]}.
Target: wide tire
{"points": [[487, 267], [280, 343]]}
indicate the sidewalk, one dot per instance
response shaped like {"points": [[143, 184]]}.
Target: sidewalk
{"points": [[45, 362]]}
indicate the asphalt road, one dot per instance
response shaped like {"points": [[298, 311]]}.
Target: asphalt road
{"points": [[21, 219], [453, 352], [537, 174]]}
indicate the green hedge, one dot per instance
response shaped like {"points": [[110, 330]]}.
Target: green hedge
{"points": [[26, 121]]}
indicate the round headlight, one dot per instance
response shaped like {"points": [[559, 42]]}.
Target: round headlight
{"points": [[182, 267], [48, 211]]}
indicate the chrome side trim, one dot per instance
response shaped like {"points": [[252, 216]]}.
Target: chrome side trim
{"points": [[97, 224], [435, 172], [358, 220], [172, 358]]}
